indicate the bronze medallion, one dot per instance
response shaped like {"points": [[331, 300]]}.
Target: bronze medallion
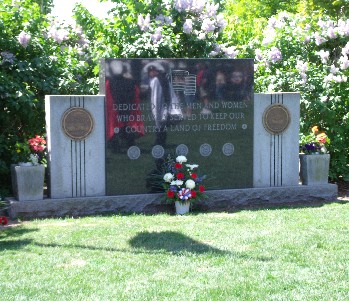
{"points": [[77, 123], [276, 119]]}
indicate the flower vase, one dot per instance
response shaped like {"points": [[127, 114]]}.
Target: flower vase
{"points": [[182, 208], [314, 169], [28, 182]]}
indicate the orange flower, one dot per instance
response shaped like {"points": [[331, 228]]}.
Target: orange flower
{"points": [[321, 138], [315, 129]]}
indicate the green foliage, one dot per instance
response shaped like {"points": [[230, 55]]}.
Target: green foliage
{"points": [[296, 54], [50, 59], [58, 58], [333, 8], [128, 32]]}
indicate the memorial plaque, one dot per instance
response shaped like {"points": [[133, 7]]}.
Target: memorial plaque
{"points": [[199, 108], [276, 119], [77, 123]]}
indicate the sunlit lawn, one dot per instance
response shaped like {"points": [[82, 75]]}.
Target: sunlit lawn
{"points": [[275, 254]]}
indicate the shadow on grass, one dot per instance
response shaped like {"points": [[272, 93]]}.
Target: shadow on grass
{"points": [[9, 235], [167, 242], [14, 232], [171, 242], [13, 244]]}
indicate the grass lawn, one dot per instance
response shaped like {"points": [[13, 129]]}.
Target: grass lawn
{"points": [[274, 254]]}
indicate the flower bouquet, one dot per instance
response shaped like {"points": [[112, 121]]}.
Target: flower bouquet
{"points": [[314, 158], [3, 219], [314, 143], [37, 146], [182, 184]]}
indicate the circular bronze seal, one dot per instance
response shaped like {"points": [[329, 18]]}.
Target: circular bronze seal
{"points": [[77, 123], [276, 119]]}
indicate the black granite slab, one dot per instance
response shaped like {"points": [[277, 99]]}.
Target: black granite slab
{"points": [[209, 105]]}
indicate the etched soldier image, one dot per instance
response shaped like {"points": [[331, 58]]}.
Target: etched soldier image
{"points": [[122, 94], [238, 87]]}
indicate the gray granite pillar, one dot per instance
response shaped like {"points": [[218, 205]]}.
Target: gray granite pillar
{"points": [[276, 139], [76, 146]]}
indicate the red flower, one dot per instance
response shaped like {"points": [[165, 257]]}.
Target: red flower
{"points": [[193, 194], [194, 176], [178, 165], [170, 194], [180, 176], [201, 188], [37, 143], [3, 220]]}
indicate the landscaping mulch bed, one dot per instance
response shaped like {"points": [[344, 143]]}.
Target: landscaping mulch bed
{"points": [[343, 190]]}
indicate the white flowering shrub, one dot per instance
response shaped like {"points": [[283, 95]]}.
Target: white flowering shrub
{"points": [[296, 54], [38, 57], [161, 28]]}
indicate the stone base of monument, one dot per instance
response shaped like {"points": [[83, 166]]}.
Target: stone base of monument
{"points": [[218, 201]]}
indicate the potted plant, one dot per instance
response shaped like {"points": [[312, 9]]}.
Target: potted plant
{"points": [[3, 207], [314, 158], [3, 220], [28, 177], [182, 183]]}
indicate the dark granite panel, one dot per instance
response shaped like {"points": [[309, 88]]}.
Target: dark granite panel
{"points": [[200, 108]]}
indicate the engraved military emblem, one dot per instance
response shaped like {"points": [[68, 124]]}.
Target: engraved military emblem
{"points": [[182, 150], [276, 119], [134, 152], [157, 151], [228, 149], [205, 150], [77, 123]]}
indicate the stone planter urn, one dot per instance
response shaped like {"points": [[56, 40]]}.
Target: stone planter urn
{"points": [[314, 169], [28, 181]]}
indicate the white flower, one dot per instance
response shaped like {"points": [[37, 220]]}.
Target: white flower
{"points": [[192, 166], [231, 52], [190, 184], [331, 33], [258, 54], [275, 54], [344, 62], [24, 39], [157, 36], [345, 49], [319, 39], [144, 23], [34, 159], [221, 23], [168, 177], [306, 39], [188, 26], [181, 159], [324, 55], [177, 183], [302, 66], [208, 25], [201, 36], [333, 69]]}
